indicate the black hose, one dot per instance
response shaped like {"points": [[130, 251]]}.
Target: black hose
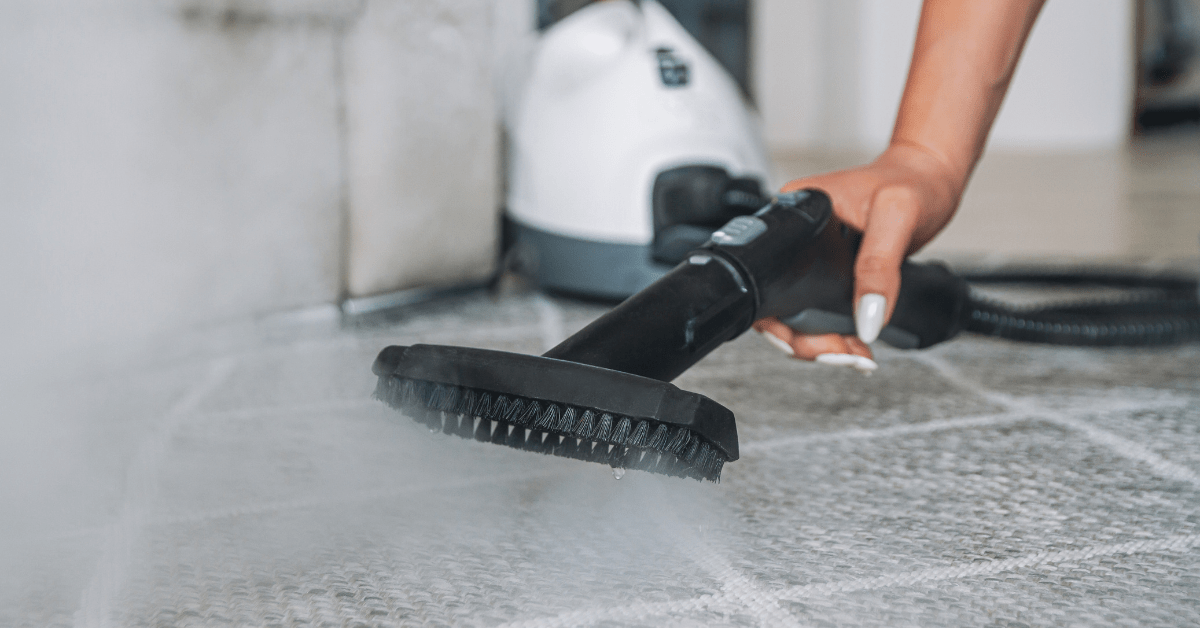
{"points": [[1159, 310]]}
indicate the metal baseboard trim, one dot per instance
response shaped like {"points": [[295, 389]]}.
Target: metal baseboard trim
{"points": [[391, 301]]}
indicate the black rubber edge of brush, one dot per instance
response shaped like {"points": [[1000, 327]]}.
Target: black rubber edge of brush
{"points": [[559, 407]]}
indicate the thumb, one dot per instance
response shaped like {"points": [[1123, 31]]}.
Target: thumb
{"points": [[886, 238]]}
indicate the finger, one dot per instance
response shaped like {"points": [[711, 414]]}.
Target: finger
{"points": [[856, 362], [858, 347], [800, 346], [813, 347], [885, 243], [834, 351], [828, 349]]}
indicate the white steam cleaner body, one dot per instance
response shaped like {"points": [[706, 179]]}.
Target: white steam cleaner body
{"points": [[629, 146]]}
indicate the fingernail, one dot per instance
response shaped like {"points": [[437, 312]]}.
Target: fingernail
{"points": [[858, 362], [778, 342], [836, 359], [865, 365], [868, 318]]}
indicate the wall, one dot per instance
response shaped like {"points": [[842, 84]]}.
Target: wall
{"points": [[423, 151], [830, 75], [169, 163], [805, 61]]}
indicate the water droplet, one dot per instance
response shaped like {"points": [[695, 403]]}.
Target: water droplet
{"points": [[618, 473]]}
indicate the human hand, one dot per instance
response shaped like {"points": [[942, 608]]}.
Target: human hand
{"points": [[899, 202]]}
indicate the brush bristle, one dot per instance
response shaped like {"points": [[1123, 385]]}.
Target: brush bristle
{"points": [[551, 428]]}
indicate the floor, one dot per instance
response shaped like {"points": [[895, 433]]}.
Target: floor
{"points": [[242, 475]]}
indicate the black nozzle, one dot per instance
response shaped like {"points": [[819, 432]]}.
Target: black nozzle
{"points": [[713, 296]]}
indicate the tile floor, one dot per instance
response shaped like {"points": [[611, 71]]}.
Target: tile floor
{"points": [[243, 476]]}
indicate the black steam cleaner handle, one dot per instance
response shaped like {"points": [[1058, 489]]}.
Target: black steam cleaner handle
{"points": [[791, 259]]}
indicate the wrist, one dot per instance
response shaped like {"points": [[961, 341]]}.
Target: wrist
{"points": [[949, 174]]}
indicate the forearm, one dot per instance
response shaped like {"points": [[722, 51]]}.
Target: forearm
{"points": [[964, 58]]}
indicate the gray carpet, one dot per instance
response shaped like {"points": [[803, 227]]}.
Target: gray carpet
{"points": [[246, 478]]}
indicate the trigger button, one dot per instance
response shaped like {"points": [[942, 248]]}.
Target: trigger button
{"points": [[740, 231], [794, 198]]}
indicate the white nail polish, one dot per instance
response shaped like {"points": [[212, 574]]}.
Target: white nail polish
{"points": [[857, 362], [836, 359], [868, 317], [778, 342], [864, 365]]}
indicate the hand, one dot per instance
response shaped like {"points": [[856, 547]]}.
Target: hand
{"points": [[963, 60], [899, 202]]}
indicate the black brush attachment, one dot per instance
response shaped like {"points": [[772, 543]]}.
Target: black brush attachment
{"points": [[559, 407]]}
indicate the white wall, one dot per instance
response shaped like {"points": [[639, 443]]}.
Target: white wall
{"points": [[830, 75], [172, 163], [423, 145], [805, 59], [160, 169]]}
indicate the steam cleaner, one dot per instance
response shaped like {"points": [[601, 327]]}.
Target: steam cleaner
{"points": [[628, 146]]}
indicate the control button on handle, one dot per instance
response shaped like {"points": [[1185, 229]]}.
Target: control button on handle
{"points": [[740, 231]]}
